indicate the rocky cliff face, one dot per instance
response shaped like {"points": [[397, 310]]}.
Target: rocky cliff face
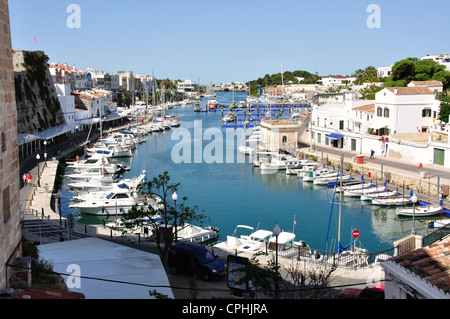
{"points": [[38, 107]]}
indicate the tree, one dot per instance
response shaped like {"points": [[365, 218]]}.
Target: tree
{"points": [[403, 70], [160, 213]]}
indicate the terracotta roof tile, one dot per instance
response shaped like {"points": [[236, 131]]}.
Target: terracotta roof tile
{"points": [[410, 90], [431, 263]]}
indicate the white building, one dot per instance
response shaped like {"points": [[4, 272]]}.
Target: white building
{"points": [[405, 110], [435, 86], [336, 81], [443, 59], [67, 101], [363, 126], [185, 86], [385, 71]]}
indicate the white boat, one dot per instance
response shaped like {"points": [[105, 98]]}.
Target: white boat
{"points": [[196, 234], [279, 162], [309, 173], [254, 242], [385, 194], [299, 167], [285, 242], [92, 173], [97, 184], [118, 202], [96, 161], [418, 211], [228, 118], [364, 191], [110, 151], [327, 180], [354, 187], [392, 201], [439, 223]]}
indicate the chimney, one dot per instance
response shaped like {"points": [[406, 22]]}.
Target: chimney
{"points": [[396, 91]]}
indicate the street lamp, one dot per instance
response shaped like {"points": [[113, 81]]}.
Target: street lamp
{"points": [[276, 232], [414, 200], [45, 152], [38, 158], [175, 197]]}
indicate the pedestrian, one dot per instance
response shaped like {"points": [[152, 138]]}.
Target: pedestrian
{"points": [[420, 167], [372, 153], [24, 178], [29, 178]]}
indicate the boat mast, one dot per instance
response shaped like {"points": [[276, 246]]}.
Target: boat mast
{"points": [[340, 204]]}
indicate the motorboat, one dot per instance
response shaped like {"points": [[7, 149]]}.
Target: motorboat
{"points": [[197, 108], [279, 162], [299, 167], [228, 118], [308, 173], [384, 194], [110, 151], [96, 161], [354, 187], [392, 201], [117, 202], [195, 234], [419, 211], [331, 179], [97, 184], [364, 191], [439, 223], [94, 172], [253, 242], [284, 242]]}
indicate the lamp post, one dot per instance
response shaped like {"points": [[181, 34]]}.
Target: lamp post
{"points": [[276, 232], [414, 200], [45, 152], [59, 196], [175, 197], [38, 158]]}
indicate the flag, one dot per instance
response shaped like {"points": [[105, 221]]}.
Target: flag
{"points": [[34, 38]]}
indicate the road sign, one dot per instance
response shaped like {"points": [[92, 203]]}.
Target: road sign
{"points": [[355, 233]]}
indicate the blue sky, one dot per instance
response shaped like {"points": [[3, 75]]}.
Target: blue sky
{"points": [[223, 41]]}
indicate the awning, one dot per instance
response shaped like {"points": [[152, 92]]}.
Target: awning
{"points": [[27, 138], [334, 136], [54, 131]]}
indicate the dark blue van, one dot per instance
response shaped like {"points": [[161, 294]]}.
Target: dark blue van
{"points": [[194, 260]]}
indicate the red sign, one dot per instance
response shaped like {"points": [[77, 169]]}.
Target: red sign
{"points": [[355, 233]]}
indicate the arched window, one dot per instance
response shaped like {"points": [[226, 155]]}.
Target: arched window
{"points": [[284, 139]]}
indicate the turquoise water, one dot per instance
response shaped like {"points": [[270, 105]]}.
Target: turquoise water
{"points": [[236, 193]]}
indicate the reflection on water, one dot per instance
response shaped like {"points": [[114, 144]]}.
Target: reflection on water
{"points": [[236, 193]]}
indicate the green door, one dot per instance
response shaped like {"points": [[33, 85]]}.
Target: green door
{"points": [[353, 144], [439, 156]]}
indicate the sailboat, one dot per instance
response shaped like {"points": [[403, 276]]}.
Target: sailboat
{"points": [[356, 256]]}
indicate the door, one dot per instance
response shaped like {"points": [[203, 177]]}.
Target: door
{"points": [[353, 144], [439, 156]]}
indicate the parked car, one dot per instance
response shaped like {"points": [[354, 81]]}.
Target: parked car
{"points": [[194, 260], [371, 291]]}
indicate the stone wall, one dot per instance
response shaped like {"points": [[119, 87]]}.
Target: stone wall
{"points": [[38, 107], [10, 231]]}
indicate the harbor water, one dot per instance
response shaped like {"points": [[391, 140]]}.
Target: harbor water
{"points": [[232, 192]]}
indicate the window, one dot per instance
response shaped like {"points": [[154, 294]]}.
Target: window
{"points": [[379, 112], [341, 125], [6, 210], [3, 142], [426, 113], [284, 139], [386, 112]]}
